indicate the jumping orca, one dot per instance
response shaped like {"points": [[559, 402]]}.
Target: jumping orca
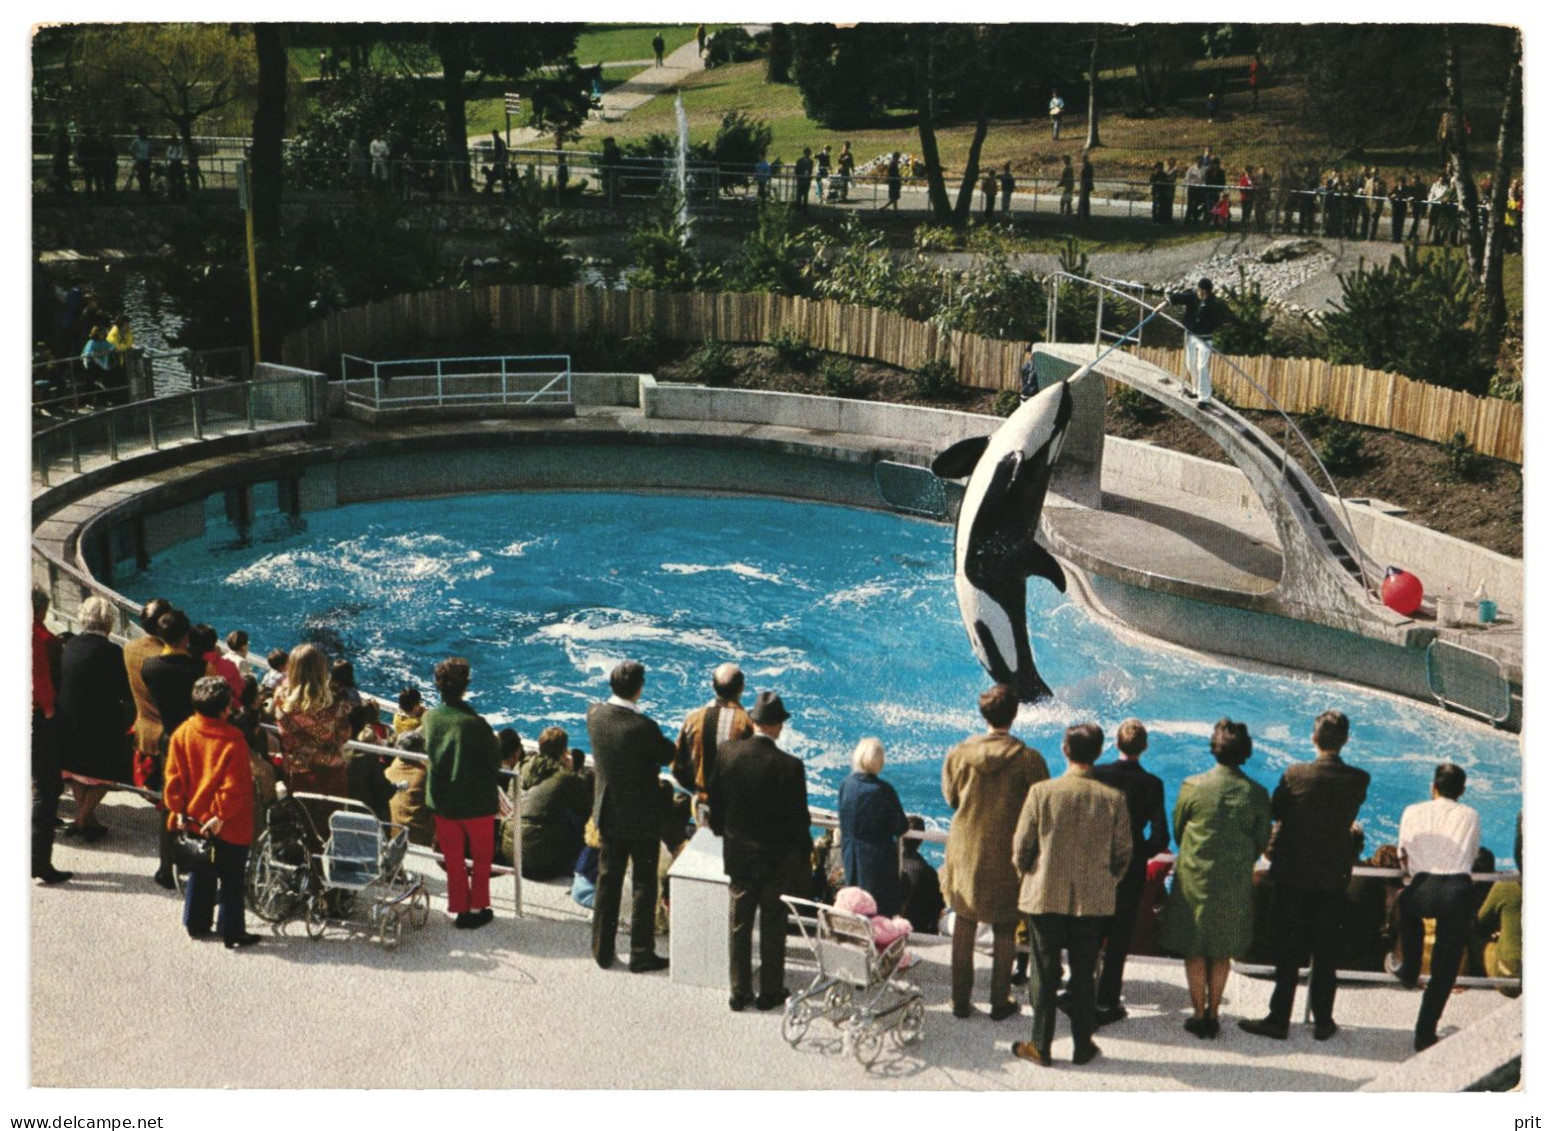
{"points": [[994, 550]]}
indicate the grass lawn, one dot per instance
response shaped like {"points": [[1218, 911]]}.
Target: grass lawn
{"points": [[608, 43], [1273, 133]]}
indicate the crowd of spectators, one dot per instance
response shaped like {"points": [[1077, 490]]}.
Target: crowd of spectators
{"points": [[1073, 866]]}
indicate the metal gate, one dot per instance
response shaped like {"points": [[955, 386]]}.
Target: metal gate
{"points": [[1468, 681]]}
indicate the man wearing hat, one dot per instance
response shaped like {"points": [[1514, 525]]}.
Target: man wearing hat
{"points": [[758, 806], [1203, 317]]}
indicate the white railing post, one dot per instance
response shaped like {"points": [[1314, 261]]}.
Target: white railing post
{"points": [[503, 380], [440, 394]]}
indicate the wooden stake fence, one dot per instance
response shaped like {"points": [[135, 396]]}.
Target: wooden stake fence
{"points": [[1348, 392]]}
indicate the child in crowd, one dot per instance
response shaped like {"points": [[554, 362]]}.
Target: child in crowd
{"points": [[366, 722], [410, 708], [342, 677], [201, 643], [277, 661]]}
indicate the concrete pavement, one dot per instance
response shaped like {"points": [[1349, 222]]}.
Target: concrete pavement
{"points": [[121, 998]]}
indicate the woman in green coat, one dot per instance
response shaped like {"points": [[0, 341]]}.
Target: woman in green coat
{"points": [[1221, 824]]}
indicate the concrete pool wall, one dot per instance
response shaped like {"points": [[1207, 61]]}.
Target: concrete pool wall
{"points": [[631, 432]]}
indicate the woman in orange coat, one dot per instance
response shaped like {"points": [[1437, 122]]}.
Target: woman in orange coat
{"points": [[209, 787]]}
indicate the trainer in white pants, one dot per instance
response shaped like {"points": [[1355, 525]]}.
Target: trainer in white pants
{"points": [[1197, 356]]}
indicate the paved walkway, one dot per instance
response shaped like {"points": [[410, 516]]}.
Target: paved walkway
{"points": [[121, 998]]}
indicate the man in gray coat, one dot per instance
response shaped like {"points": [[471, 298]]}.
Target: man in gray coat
{"points": [[628, 750], [1071, 847]]}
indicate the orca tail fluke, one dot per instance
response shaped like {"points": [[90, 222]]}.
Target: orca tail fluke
{"points": [[1031, 687]]}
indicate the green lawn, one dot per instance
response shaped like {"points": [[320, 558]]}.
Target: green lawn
{"points": [[610, 43], [1276, 132]]}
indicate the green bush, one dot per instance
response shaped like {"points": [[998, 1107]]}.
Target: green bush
{"points": [[1006, 402], [937, 379], [1416, 317], [1460, 461], [1340, 448], [713, 364], [1246, 332], [1316, 421], [839, 376], [739, 144], [776, 256], [793, 348], [994, 300], [1135, 404]]}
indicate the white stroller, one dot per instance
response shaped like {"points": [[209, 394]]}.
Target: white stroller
{"points": [[855, 987], [364, 881]]}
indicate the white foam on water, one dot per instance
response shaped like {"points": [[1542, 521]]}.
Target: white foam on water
{"points": [[517, 549], [893, 715], [738, 568], [859, 595]]}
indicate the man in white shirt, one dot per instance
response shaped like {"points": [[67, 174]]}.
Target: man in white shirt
{"points": [[1057, 107], [1438, 840]]}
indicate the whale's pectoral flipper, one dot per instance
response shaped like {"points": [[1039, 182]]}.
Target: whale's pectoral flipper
{"points": [[1033, 560], [957, 462]]}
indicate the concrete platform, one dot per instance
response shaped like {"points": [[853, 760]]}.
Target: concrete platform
{"points": [[520, 1004]]}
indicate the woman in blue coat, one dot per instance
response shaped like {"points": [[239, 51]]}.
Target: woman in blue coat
{"points": [[871, 822]]}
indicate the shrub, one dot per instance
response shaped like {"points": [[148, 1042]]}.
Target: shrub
{"points": [[1247, 329], [661, 259], [713, 364], [839, 376], [1135, 404], [937, 379], [1315, 421], [1414, 316], [996, 301], [1006, 402], [1460, 461], [1340, 448], [793, 348], [776, 256], [739, 144]]}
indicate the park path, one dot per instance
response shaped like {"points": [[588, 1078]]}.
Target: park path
{"points": [[638, 89]]}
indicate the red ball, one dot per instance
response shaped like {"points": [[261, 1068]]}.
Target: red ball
{"points": [[1402, 591]]}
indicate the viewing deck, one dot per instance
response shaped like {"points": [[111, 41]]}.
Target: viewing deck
{"points": [[136, 1006]]}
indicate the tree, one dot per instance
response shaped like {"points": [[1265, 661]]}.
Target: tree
{"points": [[361, 106], [509, 51], [184, 73], [1092, 95], [1495, 313], [268, 129], [1455, 138]]}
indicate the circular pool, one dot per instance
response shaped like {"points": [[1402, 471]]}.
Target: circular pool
{"points": [[849, 614]]}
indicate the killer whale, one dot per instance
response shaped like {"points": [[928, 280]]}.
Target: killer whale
{"points": [[994, 551]]}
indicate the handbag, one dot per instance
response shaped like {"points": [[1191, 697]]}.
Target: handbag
{"points": [[190, 851]]}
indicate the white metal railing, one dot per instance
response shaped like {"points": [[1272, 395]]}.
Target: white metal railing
{"points": [[146, 425], [1340, 524], [440, 382]]}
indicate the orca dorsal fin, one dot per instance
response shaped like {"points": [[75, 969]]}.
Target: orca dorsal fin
{"points": [[958, 461], [1033, 560]]}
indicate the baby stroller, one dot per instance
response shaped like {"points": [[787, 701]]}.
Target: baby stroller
{"points": [[280, 876], [855, 987], [362, 881]]}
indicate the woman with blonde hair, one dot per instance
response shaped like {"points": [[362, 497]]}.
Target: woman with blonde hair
{"points": [[871, 822], [314, 726]]}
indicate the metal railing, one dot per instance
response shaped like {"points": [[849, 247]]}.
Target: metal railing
{"points": [[636, 180], [1340, 524], [450, 381], [108, 435], [71, 386]]}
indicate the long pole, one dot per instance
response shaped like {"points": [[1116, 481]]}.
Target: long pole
{"points": [[247, 209]]}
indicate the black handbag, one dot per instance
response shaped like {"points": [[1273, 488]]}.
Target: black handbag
{"points": [[191, 851]]}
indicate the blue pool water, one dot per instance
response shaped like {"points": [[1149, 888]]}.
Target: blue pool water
{"points": [[849, 614]]}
